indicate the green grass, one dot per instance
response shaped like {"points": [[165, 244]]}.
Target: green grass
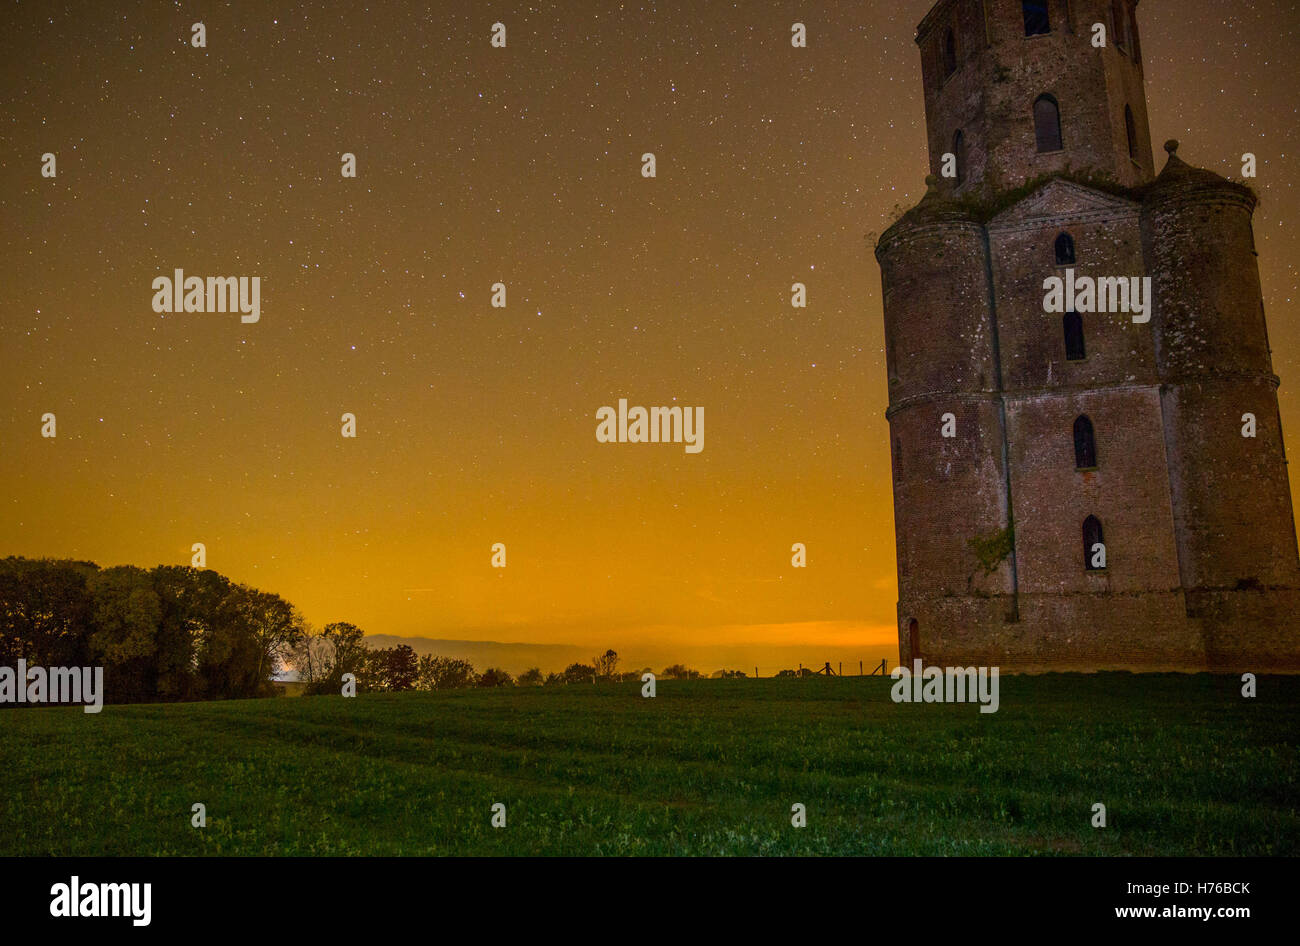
{"points": [[1184, 765]]}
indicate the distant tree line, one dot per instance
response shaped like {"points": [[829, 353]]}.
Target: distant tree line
{"points": [[323, 659], [173, 633]]}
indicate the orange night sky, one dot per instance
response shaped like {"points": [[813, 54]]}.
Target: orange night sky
{"points": [[477, 425]]}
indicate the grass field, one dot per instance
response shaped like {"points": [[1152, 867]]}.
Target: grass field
{"points": [[1183, 764]]}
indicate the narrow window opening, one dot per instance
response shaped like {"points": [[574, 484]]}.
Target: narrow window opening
{"points": [[1085, 444], [1047, 124], [1094, 545], [1037, 21], [1075, 350], [1064, 250]]}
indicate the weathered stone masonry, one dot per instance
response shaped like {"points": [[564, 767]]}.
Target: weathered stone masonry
{"points": [[1202, 569]]}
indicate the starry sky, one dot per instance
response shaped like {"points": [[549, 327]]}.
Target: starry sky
{"points": [[475, 424]]}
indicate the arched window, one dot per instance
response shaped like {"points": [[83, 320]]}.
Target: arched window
{"points": [[1119, 23], [1074, 347], [959, 152], [914, 639], [1130, 126], [1037, 21], [1092, 537], [1047, 124], [1065, 250], [949, 54], [1085, 444]]}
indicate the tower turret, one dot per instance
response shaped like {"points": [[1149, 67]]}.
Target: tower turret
{"points": [[1017, 89], [943, 371], [1232, 498]]}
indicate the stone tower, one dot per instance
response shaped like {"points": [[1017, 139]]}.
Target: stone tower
{"points": [[1024, 441]]}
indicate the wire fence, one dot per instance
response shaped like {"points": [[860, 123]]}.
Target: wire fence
{"points": [[838, 668]]}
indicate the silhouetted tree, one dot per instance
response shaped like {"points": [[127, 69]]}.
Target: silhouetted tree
{"points": [[579, 673], [445, 673], [275, 625], [606, 664], [311, 658], [322, 659], [495, 677], [398, 667], [45, 611], [188, 599], [125, 615]]}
